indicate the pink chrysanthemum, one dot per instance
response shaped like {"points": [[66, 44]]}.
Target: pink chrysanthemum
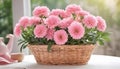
{"points": [[65, 22], [34, 20], [59, 12], [24, 21], [82, 13], [101, 25], [76, 30], [50, 34], [41, 11], [40, 31], [52, 21], [90, 21], [73, 8], [17, 30], [60, 37]]}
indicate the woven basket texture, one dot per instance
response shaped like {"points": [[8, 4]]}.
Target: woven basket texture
{"points": [[62, 54]]}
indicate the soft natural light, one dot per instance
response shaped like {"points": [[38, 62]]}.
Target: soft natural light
{"points": [[59, 34]]}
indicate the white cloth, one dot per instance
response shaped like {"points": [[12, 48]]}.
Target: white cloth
{"points": [[96, 62]]}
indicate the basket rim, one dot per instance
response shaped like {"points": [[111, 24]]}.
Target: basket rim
{"points": [[64, 45]]}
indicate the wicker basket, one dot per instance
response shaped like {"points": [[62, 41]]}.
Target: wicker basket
{"points": [[65, 54]]}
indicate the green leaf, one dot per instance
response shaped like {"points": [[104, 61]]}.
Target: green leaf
{"points": [[105, 36], [101, 42], [23, 46], [49, 47], [21, 42]]}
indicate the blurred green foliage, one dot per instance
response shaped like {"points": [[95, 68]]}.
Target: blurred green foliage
{"points": [[52, 4], [5, 18], [117, 13]]}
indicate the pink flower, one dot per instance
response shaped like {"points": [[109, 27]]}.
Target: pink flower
{"points": [[41, 11], [60, 37], [101, 25], [65, 22], [17, 30], [90, 21], [59, 12], [40, 31], [56, 12], [73, 8], [82, 13], [24, 21], [34, 20], [50, 34], [52, 21], [76, 30]]}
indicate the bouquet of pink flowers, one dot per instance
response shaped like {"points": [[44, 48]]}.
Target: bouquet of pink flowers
{"points": [[72, 26]]}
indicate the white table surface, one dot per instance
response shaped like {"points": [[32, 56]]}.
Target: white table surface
{"points": [[96, 62]]}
